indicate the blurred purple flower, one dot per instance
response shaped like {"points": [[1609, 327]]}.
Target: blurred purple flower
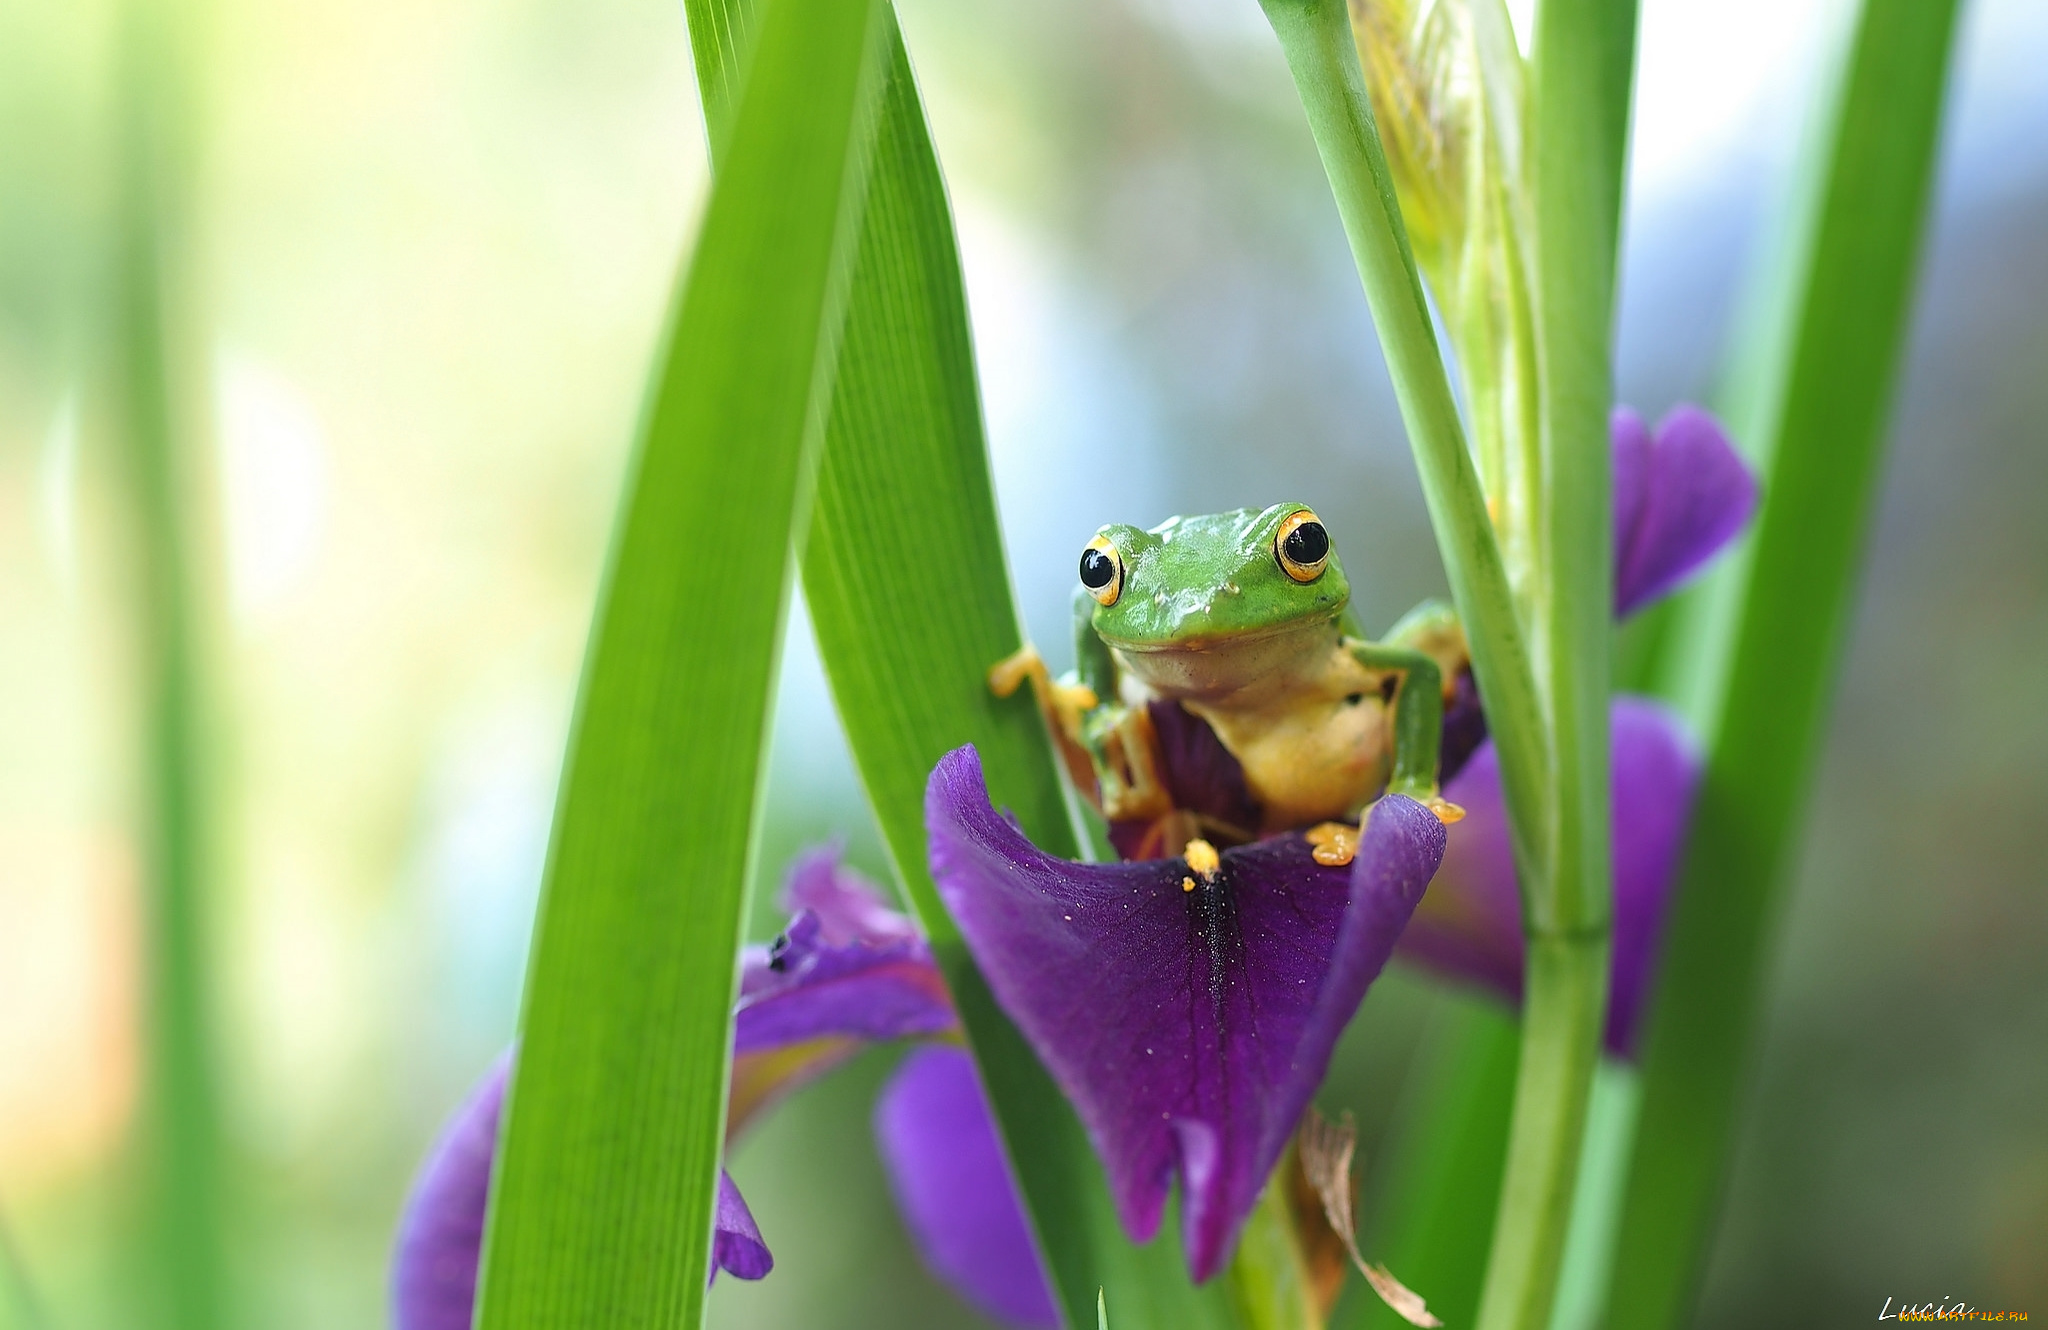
{"points": [[433, 1274], [1188, 1016], [1678, 498], [952, 1182], [848, 971], [1469, 926]]}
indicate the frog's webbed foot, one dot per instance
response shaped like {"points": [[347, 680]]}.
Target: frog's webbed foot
{"points": [[1067, 702], [1336, 843]]}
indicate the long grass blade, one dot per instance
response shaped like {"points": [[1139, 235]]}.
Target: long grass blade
{"points": [[1756, 656], [21, 1305], [602, 1205], [153, 353], [905, 579], [910, 597]]}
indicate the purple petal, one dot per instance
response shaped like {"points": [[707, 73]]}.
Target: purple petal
{"points": [[803, 987], [766, 1076], [1470, 924], [736, 1245], [433, 1270], [806, 1006], [1188, 1024], [849, 971], [849, 907], [1464, 727], [1677, 500], [1655, 774], [953, 1186]]}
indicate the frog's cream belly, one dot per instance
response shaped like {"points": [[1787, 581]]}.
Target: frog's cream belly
{"points": [[1314, 753]]}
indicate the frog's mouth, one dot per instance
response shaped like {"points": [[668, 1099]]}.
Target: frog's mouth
{"points": [[1230, 666]]}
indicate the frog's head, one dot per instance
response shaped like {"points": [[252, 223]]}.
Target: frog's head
{"points": [[1204, 606]]}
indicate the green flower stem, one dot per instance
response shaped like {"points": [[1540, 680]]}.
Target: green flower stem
{"points": [[1579, 88], [1596, 1211], [1564, 997], [1315, 35], [1542, 664], [1268, 1278], [186, 1284]]}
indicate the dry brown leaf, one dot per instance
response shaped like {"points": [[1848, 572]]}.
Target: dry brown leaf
{"points": [[1326, 1149]]}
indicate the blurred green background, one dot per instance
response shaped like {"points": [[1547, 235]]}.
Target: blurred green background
{"points": [[432, 245]]}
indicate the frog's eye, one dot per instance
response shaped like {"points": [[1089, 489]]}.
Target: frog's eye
{"points": [[1302, 546], [1102, 570]]}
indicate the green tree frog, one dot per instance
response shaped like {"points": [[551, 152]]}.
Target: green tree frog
{"points": [[1242, 619]]}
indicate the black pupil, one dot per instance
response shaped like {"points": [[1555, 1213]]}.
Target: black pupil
{"points": [[1097, 569], [1307, 543]]}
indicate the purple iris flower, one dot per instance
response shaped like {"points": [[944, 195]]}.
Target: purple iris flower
{"points": [[848, 971], [1189, 1016], [1469, 926], [952, 1184]]}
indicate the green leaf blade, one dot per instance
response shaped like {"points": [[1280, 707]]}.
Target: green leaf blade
{"points": [[1756, 653], [910, 597], [601, 1205], [155, 346]]}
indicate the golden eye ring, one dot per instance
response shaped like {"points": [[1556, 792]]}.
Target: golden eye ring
{"points": [[1102, 571], [1302, 545]]}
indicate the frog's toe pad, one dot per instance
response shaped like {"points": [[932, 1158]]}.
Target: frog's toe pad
{"points": [[1012, 670], [1446, 812], [1335, 843]]}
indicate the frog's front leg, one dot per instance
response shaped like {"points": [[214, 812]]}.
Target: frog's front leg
{"points": [[1109, 747], [1064, 706], [1418, 705], [1433, 629], [1418, 717], [1418, 731]]}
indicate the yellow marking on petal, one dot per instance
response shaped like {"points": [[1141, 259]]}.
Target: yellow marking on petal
{"points": [[1336, 843], [1446, 811], [1202, 857], [1187, 884]]}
